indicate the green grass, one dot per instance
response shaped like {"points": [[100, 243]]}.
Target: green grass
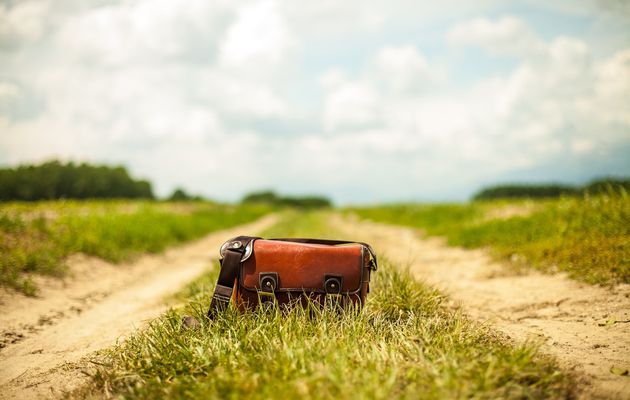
{"points": [[37, 238], [405, 344], [587, 237]]}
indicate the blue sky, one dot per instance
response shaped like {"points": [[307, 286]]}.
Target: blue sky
{"points": [[362, 101]]}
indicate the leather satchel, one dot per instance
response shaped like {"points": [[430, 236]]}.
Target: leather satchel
{"points": [[292, 271]]}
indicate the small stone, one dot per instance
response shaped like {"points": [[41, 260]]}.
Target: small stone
{"points": [[189, 322], [619, 371]]}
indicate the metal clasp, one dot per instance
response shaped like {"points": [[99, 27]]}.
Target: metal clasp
{"points": [[237, 244], [332, 284], [268, 281]]}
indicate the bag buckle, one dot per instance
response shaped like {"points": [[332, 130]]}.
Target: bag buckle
{"points": [[238, 246], [268, 282]]}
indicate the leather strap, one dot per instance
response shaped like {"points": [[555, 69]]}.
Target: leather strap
{"points": [[232, 261], [227, 276]]}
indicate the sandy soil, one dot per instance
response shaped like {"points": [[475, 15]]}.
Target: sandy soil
{"points": [[587, 328], [43, 339]]}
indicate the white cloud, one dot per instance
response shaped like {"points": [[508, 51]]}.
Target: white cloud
{"points": [[393, 73], [332, 79], [258, 36], [612, 89], [144, 32], [404, 69], [9, 94], [350, 106], [242, 97], [23, 22], [505, 36], [581, 146]]}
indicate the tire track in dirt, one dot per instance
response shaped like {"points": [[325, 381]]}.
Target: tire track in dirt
{"points": [[587, 328], [97, 305]]}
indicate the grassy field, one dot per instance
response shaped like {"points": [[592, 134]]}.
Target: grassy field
{"points": [[36, 238], [588, 237], [406, 343]]}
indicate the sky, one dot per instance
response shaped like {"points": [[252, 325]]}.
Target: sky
{"points": [[360, 101]]}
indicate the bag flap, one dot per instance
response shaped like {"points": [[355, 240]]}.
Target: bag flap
{"points": [[303, 266]]}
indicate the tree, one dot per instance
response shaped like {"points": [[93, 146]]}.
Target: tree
{"points": [[55, 180], [598, 186], [270, 197], [179, 195], [264, 196]]}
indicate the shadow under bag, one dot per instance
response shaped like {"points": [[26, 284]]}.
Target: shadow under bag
{"points": [[288, 271]]}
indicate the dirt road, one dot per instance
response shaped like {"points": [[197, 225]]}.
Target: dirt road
{"points": [[585, 327], [99, 304]]}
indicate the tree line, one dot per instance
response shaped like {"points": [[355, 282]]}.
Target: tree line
{"points": [[270, 197], [57, 180], [510, 191]]}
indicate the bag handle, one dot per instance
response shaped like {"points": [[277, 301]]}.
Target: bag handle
{"points": [[234, 252]]}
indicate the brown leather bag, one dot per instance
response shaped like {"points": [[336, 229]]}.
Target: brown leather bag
{"points": [[289, 271]]}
